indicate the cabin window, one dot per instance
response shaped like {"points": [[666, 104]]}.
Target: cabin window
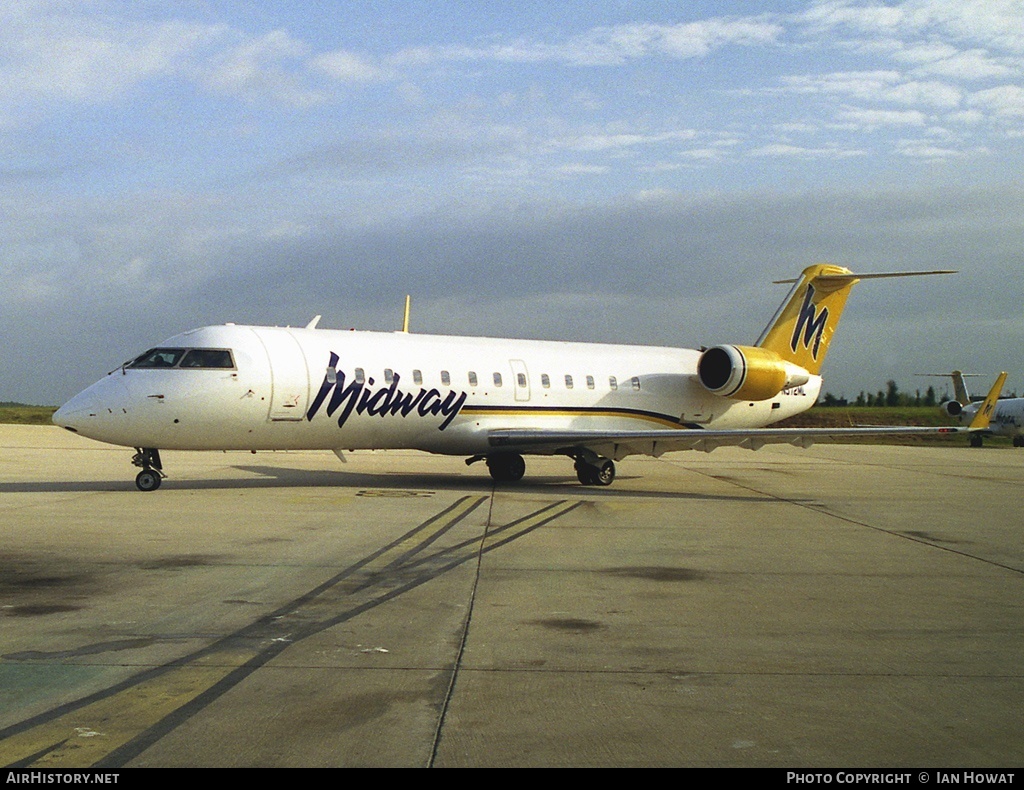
{"points": [[472, 378], [590, 382], [635, 381], [613, 383], [521, 379], [497, 379], [389, 375], [545, 380], [568, 381], [360, 376], [446, 378], [417, 377]]}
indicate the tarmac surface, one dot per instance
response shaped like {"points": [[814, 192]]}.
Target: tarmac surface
{"points": [[856, 606]]}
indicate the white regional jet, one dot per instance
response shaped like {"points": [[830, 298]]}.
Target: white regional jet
{"points": [[271, 388], [1007, 418]]}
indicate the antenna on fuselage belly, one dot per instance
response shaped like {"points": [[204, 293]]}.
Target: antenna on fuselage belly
{"points": [[405, 320]]}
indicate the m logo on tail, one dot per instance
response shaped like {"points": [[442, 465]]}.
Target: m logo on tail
{"points": [[809, 322]]}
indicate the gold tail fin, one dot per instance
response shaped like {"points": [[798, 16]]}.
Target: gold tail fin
{"points": [[984, 413], [802, 329]]}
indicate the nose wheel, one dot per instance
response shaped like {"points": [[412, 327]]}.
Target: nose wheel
{"points": [[152, 475]]}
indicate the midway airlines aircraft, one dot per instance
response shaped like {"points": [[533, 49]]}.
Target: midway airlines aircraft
{"points": [[1007, 418], [494, 400]]}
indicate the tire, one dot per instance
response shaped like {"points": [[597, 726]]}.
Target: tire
{"points": [[605, 473], [586, 474], [147, 480], [601, 475], [506, 468]]}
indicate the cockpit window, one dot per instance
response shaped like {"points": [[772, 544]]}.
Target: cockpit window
{"points": [[194, 358], [208, 358], [159, 358]]}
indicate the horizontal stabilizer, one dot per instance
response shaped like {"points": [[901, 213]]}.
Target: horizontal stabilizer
{"points": [[875, 276]]}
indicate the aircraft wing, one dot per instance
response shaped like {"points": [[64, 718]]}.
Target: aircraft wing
{"points": [[619, 444]]}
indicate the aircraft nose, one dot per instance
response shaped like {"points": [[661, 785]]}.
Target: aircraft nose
{"points": [[60, 417], [89, 409], [79, 408]]}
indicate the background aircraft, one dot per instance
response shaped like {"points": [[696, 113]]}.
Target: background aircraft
{"points": [[1007, 417]]}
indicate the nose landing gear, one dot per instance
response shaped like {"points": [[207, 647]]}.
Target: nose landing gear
{"points": [[152, 475]]}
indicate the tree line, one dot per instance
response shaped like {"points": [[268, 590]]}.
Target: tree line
{"points": [[892, 396]]}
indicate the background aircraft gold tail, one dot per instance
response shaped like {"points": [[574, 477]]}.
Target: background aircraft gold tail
{"points": [[981, 419]]}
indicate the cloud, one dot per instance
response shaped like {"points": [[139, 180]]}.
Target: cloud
{"points": [[943, 60], [786, 150], [927, 149], [347, 67], [994, 21], [609, 46], [607, 142], [1006, 101], [54, 54], [872, 119], [876, 87], [269, 67]]}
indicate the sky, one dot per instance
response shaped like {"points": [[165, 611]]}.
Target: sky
{"points": [[609, 170]]}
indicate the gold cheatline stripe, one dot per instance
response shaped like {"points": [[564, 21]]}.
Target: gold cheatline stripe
{"points": [[521, 412], [86, 735]]}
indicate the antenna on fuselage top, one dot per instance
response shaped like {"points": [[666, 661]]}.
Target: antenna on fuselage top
{"points": [[405, 321]]}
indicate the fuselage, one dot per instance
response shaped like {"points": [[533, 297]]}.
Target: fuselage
{"points": [[237, 387], [1007, 417]]}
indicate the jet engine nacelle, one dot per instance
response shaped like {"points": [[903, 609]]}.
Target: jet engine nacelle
{"points": [[952, 408], [747, 372]]}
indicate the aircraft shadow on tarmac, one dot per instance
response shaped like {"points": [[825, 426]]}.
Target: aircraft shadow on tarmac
{"points": [[284, 477]]}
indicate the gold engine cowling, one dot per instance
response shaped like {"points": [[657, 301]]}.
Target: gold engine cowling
{"points": [[747, 372]]}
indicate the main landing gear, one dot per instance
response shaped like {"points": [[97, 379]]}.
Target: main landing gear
{"points": [[591, 469], [152, 475], [1018, 441], [506, 467], [595, 472]]}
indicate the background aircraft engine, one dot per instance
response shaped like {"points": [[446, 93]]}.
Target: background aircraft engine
{"points": [[747, 372], [952, 408]]}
